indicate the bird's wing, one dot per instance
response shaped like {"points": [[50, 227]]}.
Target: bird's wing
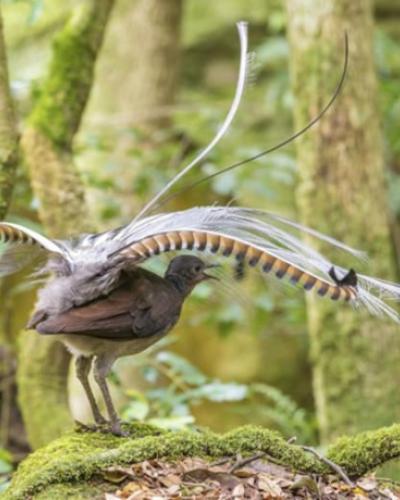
{"points": [[143, 309], [20, 245], [262, 240]]}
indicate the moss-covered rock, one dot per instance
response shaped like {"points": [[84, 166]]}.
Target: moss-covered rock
{"points": [[72, 466]]}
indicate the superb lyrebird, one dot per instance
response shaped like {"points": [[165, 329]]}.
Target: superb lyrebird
{"points": [[103, 305], [140, 309]]}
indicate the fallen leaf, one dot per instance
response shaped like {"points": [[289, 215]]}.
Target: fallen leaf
{"points": [[130, 488], [267, 485], [244, 473], [170, 480], [196, 475], [173, 489], [389, 494], [238, 491], [114, 476], [367, 483], [305, 482]]}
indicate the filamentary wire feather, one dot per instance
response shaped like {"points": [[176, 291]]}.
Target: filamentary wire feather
{"points": [[240, 86]]}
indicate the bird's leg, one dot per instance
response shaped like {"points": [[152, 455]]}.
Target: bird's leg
{"points": [[83, 366], [102, 367]]}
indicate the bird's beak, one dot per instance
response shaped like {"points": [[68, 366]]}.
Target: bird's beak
{"points": [[209, 276]]}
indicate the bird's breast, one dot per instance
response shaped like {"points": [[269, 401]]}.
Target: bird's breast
{"points": [[82, 345]]}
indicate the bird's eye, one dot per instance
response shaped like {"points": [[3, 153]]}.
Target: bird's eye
{"points": [[197, 268]]}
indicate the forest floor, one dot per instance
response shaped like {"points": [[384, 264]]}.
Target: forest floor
{"points": [[253, 478]]}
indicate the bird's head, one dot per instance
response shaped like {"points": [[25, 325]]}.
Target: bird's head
{"points": [[186, 271]]}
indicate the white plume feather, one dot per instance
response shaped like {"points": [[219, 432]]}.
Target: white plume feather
{"points": [[240, 86]]}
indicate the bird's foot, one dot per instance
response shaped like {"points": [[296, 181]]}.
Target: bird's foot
{"points": [[100, 420], [117, 430], [105, 428], [97, 427]]}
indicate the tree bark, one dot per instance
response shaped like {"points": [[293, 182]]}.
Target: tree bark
{"points": [[386, 9], [8, 163], [153, 49], [342, 192], [47, 145], [8, 132]]}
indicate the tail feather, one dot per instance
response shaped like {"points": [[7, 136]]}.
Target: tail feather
{"points": [[224, 245], [262, 240], [21, 245]]}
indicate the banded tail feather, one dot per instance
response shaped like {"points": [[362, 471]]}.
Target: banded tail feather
{"points": [[14, 235], [243, 252], [21, 245]]}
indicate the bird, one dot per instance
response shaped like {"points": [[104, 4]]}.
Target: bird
{"points": [[139, 311], [102, 304], [95, 279]]}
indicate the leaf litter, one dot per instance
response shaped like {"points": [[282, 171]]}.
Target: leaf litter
{"points": [[237, 478]]}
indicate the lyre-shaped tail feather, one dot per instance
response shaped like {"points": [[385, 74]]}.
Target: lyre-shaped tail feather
{"points": [[21, 246], [223, 244], [263, 240]]}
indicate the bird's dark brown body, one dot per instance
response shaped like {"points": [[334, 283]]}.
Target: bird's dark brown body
{"points": [[142, 306], [141, 309]]}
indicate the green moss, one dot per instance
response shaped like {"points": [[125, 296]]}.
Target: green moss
{"points": [[75, 461], [64, 93], [368, 450], [92, 490], [80, 456], [8, 133]]}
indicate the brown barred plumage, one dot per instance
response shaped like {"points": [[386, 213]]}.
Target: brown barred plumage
{"points": [[9, 234], [243, 252]]}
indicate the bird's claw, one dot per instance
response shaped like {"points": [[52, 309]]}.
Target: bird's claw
{"points": [[105, 428], [97, 427], [117, 430]]}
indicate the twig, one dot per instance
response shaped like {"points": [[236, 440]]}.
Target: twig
{"points": [[331, 464], [222, 461], [241, 463]]}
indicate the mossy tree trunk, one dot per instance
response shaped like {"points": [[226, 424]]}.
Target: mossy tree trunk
{"points": [[356, 359], [8, 132], [47, 146], [8, 163]]}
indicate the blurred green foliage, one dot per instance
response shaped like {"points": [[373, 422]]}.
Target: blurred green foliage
{"points": [[6, 468], [176, 386]]}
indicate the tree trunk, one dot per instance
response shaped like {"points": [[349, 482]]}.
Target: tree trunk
{"points": [[342, 192], [10, 420], [47, 143], [146, 93], [8, 132]]}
